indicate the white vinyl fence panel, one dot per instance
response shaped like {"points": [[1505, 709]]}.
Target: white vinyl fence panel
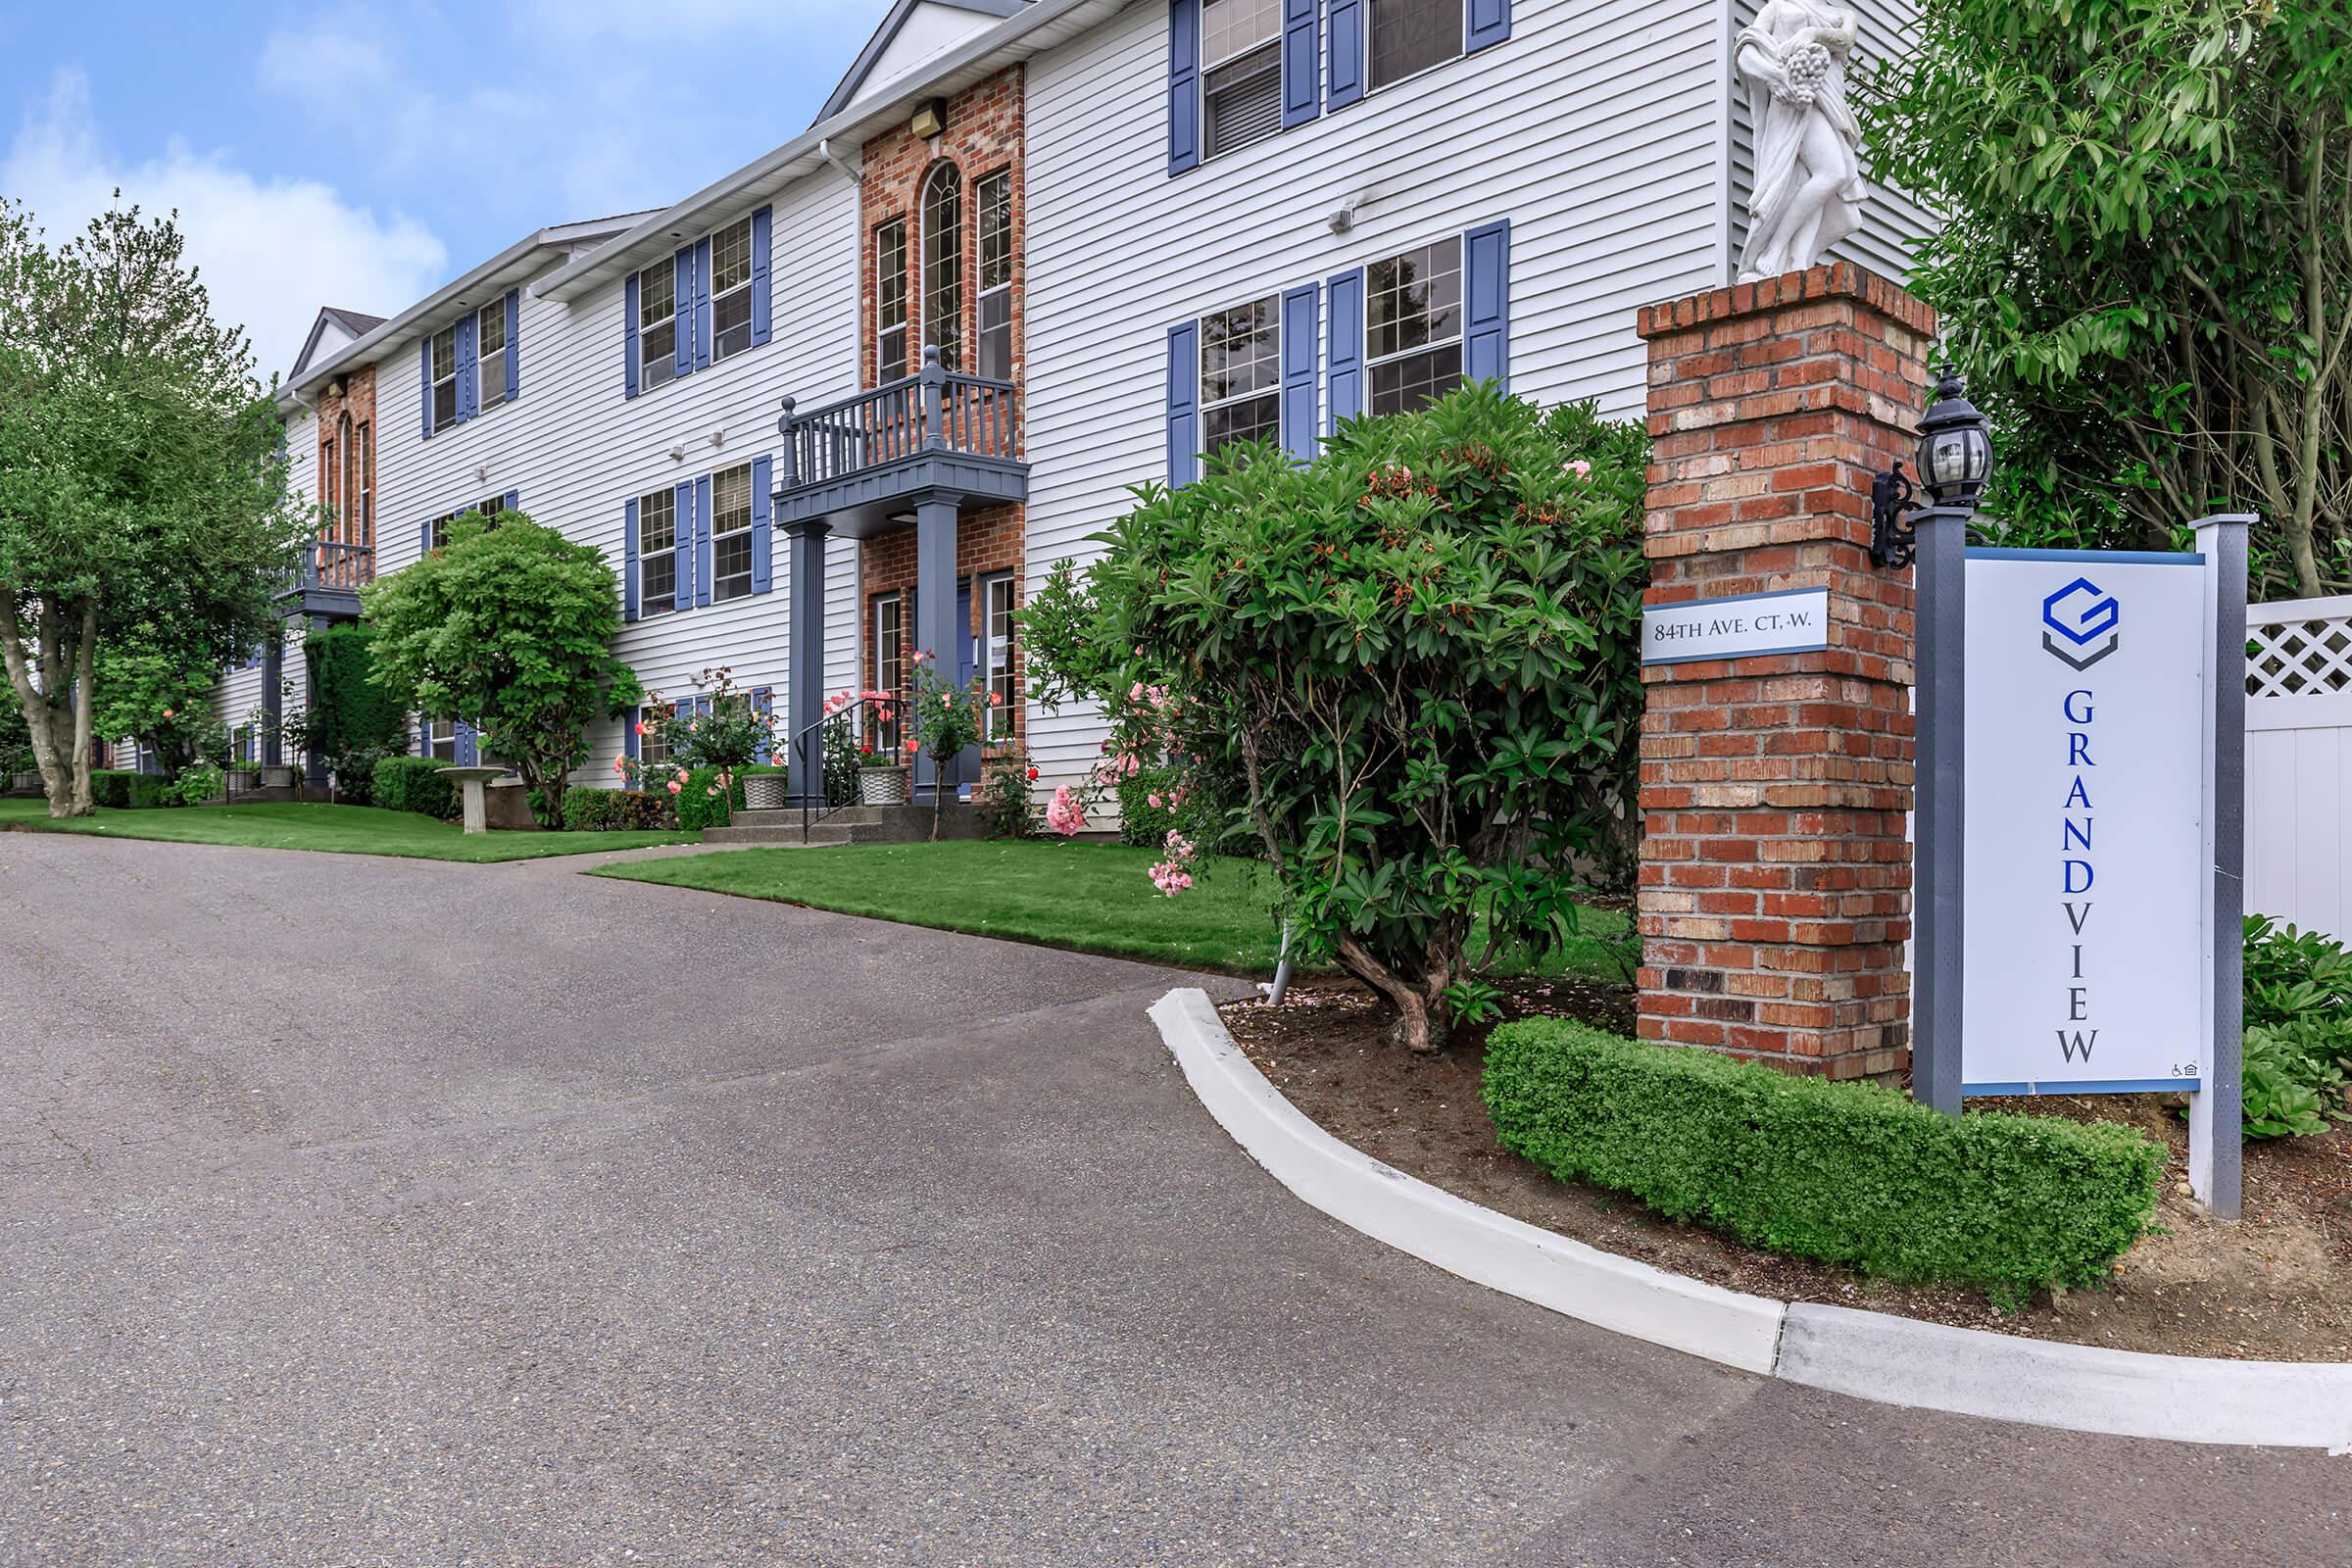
{"points": [[2299, 763]]}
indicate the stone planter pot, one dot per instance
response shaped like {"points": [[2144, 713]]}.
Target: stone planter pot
{"points": [[764, 792], [277, 779], [25, 783], [882, 785]]}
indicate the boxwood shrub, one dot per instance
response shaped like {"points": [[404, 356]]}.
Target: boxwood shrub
{"points": [[1846, 1173], [589, 810], [416, 784], [699, 807], [122, 788]]}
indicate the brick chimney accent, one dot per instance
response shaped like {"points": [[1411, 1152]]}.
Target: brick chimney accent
{"points": [[1776, 877]]}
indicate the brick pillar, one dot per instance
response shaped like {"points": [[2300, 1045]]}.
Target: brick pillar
{"points": [[1776, 877]]}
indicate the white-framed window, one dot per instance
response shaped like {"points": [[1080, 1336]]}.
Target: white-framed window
{"points": [[490, 356], [653, 747], [1408, 36], [658, 323], [489, 507], [732, 289], [890, 666], [445, 377], [1241, 72], [330, 499], [441, 739], [1241, 373], [889, 302], [731, 533], [991, 199], [658, 552], [1413, 327], [367, 474], [996, 654], [943, 266]]}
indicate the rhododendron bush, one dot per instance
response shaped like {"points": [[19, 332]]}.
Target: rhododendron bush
{"points": [[1406, 674]]}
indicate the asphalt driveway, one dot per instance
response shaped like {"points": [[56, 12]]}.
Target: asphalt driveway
{"points": [[360, 1211]]}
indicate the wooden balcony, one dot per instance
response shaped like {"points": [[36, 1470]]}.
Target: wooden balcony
{"points": [[327, 579], [863, 461]]}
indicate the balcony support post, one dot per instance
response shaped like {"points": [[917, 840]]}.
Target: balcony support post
{"points": [[805, 655], [935, 631]]}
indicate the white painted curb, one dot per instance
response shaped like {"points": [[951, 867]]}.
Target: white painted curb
{"points": [[1870, 1355]]}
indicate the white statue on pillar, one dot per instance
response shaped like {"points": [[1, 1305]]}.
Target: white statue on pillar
{"points": [[1807, 192]]}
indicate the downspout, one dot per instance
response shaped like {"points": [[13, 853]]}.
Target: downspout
{"points": [[824, 150]]}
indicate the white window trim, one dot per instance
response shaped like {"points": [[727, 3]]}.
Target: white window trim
{"points": [[904, 327], [670, 497], [644, 381], [1461, 52], [482, 403], [985, 293], [751, 272], [455, 414], [1201, 392], [1461, 331], [1281, 48], [887, 651], [996, 655], [718, 534]]}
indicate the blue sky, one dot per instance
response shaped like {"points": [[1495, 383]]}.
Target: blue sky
{"points": [[364, 156]]}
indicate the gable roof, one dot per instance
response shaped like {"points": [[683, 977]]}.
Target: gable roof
{"points": [[353, 324], [888, 34]]}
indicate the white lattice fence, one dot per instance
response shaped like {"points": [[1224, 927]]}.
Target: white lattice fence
{"points": [[2299, 763]]}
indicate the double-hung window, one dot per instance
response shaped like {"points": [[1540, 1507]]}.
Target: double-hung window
{"points": [[653, 747], [331, 500], [489, 507], [1408, 36], [943, 266], [993, 199], [730, 534], [658, 323], [732, 289], [996, 655], [889, 302], [445, 378], [656, 552], [1241, 72], [1413, 327], [367, 474], [1241, 373], [490, 352], [890, 667], [441, 739]]}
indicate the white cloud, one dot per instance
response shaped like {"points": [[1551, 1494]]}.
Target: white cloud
{"points": [[268, 250]]}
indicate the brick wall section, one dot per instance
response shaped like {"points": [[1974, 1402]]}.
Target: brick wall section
{"points": [[356, 399], [1774, 880], [984, 135]]}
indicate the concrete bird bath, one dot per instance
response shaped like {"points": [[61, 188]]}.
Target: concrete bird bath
{"points": [[478, 811]]}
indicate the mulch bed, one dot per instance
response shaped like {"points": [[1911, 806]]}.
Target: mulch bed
{"points": [[2277, 1286]]}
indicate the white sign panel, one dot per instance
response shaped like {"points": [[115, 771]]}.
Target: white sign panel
{"points": [[1794, 620], [2085, 881]]}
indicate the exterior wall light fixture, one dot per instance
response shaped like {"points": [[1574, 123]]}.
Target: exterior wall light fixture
{"points": [[1955, 462]]}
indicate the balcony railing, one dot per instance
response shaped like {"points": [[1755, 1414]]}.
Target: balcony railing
{"points": [[933, 410], [331, 563]]}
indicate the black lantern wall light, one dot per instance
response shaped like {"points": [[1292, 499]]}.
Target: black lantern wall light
{"points": [[1955, 460]]}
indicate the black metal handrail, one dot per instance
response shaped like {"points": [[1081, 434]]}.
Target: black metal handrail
{"points": [[934, 409], [807, 756]]}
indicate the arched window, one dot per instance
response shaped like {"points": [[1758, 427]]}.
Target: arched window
{"points": [[347, 518], [942, 265]]}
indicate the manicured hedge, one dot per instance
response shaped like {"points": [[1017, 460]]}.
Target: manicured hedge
{"points": [[122, 788], [699, 807], [1848, 1173], [587, 810], [416, 784]]}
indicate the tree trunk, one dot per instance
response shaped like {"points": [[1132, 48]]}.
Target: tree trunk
{"points": [[33, 675], [1421, 1026]]}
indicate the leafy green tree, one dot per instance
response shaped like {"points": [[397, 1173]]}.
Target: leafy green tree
{"points": [[354, 716], [2146, 264], [1411, 669], [509, 628], [161, 700], [142, 481]]}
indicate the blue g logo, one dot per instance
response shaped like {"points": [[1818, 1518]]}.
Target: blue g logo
{"points": [[2085, 616]]}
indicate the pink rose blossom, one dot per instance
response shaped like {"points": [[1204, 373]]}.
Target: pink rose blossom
{"points": [[675, 787]]}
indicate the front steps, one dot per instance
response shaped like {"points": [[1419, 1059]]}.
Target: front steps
{"points": [[852, 825]]}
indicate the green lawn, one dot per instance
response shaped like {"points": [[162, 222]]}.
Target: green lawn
{"points": [[342, 829], [1093, 898]]}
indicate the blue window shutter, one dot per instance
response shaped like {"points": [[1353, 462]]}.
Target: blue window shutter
{"points": [[763, 703], [702, 540], [762, 532], [514, 343], [630, 743], [425, 538], [684, 554], [1184, 403], [424, 736], [1486, 301], [1183, 85], [628, 333], [1346, 84], [1490, 23], [629, 578], [1300, 309], [682, 286], [425, 353], [966, 655], [511, 501], [702, 304], [468, 747], [1344, 372], [470, 384], [762, 228], [1301, 61]]}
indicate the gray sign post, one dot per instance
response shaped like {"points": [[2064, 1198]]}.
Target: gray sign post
{"points": [[1939, 821], [2216, 1125]]}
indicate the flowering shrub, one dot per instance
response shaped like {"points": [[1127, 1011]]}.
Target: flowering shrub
{"points": [[710, 738], [1005, 797], [1409, 670], [1066, 815]]}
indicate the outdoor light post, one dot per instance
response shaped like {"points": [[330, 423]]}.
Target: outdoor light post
{"points": [[1955, 462]]}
